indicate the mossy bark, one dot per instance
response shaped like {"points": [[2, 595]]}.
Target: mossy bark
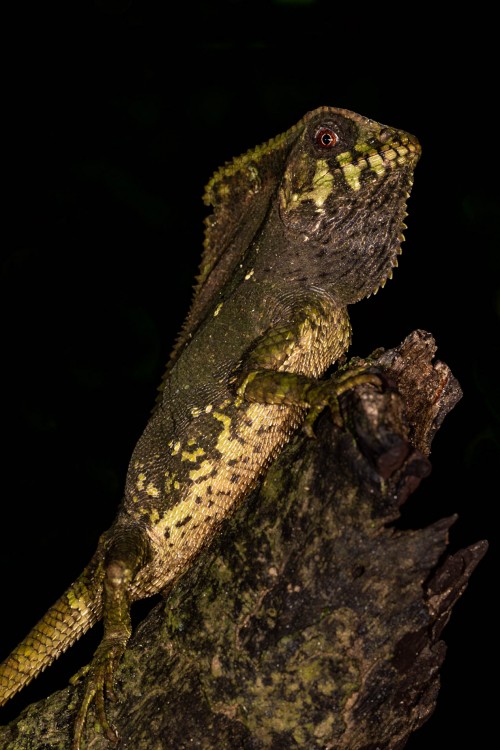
{"points": [[313, 622]]}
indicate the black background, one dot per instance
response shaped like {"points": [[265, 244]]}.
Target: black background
{"points": [[115, 115]]}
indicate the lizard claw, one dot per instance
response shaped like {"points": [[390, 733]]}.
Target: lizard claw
{"points": [[325, 394], [320, 403], [99, 686]]}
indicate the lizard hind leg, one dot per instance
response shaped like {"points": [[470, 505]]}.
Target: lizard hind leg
{"points": [[127, 551]]}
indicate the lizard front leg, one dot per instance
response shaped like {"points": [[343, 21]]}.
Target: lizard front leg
{"points": [[283, 367], [127, 551], [271, 387]]}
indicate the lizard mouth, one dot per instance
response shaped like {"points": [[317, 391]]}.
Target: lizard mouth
{"points": [[398, 154]]}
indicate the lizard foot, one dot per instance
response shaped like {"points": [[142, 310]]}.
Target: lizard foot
{"points": [[325, 394], [99, 685]]}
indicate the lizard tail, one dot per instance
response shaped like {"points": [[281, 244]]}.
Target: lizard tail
{"points": [[70, 617]]}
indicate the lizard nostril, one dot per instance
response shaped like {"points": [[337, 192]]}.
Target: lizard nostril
{"points": [[386, 135]]}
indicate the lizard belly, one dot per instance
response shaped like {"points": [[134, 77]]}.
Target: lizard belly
{"points": [[186, 482], [204, 492]]}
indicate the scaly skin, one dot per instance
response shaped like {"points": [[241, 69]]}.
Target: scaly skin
{"points": [[302, 227], [70, 617]]}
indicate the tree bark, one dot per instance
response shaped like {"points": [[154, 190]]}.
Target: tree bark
{"points": [[313, 622]]}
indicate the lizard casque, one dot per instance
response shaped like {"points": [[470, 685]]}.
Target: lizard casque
{"points": [[302, 226]]}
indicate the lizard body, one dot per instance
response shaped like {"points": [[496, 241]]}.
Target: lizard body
{"points": [[302, 226]]}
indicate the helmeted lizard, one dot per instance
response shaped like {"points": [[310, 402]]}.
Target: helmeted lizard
{"points": [[302, 226]]}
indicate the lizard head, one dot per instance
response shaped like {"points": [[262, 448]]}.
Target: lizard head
{"points": [[342, 199]]}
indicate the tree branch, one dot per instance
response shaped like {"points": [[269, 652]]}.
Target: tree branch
{"points": [[313, 622]]}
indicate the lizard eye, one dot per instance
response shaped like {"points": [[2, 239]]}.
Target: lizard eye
{"points": [[326, 138]]}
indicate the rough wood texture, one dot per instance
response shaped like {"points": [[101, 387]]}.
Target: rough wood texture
{"points": [[312, 623]]}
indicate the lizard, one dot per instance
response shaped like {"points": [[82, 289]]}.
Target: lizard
{"points": [[301, 227]]}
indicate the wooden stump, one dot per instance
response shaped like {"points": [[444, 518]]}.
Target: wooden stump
{"points": [[312, 622]]}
